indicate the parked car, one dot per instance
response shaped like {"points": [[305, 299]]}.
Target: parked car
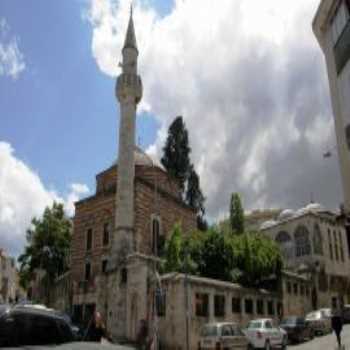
{"points": [[263, 334], [297, 329], [346, 313], [222, 336], [4, 308], [319, 322], [26, 326], [77, 331]]}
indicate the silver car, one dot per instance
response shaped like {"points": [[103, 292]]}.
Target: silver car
{"points": [[319, 321], [225, 335]]}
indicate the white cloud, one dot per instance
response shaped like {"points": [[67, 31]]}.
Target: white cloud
{"points": [[23, 196], [77, 191], [11, 58], [250, 81]]}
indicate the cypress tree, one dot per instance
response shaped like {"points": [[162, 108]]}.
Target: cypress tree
{"points": [[236, 214], [176, 152]]}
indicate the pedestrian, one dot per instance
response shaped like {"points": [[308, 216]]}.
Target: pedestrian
{"points": [[96, 331], [337, 320], [142, 336]]}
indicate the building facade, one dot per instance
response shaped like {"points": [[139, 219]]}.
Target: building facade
{"points": [[8, 279], [120, 230], [314, 245], [191, 302], [332, 29]]}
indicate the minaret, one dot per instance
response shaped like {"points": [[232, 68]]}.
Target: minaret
{"points": [[128, 93]]}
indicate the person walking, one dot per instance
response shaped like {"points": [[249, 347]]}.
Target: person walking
{"points": [[337, 320], [96, 331]]}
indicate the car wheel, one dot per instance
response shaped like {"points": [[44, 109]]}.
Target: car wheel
{"points": [[267, 345], [284, 343], [250, 347], [312, 335]]}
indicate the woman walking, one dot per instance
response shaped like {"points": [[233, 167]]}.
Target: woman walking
{"points": [[337, 320]]}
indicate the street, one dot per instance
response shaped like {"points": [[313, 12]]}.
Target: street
{"points": [[327, 342]]}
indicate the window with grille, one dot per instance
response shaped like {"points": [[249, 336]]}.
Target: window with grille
{"points": [[317, 240], [260, 306], [248, 306], [219, 305], [336, 250], [87, 271], [285, 243], [89, 239], [106, 229], [202, 300], [236, 305], [104, 265], [330, 244], [157, 239], [302, 241], [270, 308]]}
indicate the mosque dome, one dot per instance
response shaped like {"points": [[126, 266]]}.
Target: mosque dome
{"points": [[310, 208], [314, 207], [142, 158], [286, 214], [268, 224]]}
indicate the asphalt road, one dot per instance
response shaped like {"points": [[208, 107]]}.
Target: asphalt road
{"points": [[327, 342]]}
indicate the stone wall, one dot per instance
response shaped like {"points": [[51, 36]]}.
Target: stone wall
{"points": [[172, 326], [150, 203]]}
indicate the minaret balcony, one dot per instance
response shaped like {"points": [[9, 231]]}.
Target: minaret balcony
{"points": [[129, 85]]}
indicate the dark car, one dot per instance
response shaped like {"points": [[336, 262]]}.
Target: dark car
{"points": [[28, 326], [297, 329]]}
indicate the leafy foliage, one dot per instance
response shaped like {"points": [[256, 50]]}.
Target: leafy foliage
{"points": [[48, 242], [236, 214], [176, 157], [248, 259], [176, 160]]}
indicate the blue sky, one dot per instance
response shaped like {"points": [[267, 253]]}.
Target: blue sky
{"points": [[248, 78], [60, 115]]}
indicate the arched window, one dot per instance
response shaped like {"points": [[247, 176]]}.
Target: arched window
{"points": [[317, 240], [302, 241], [285, 242], [155, 235]]}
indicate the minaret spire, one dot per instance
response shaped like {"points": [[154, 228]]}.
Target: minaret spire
{"points": [[130, 39], [128, 93]]}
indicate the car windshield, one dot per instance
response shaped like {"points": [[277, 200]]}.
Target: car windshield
{"points": [[209, 331], [254, 325], [289, 321], [326, 312], [313, 316]]}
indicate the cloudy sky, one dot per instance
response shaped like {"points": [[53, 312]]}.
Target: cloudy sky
{"points": [[246, 75]]}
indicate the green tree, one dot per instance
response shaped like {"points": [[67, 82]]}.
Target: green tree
{"points": [[173, 251], [48, 244], [236, 214], [176, 152], [257, 258], [195, 198]]}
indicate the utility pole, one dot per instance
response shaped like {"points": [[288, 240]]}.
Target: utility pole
{"points": [[186, 300]]}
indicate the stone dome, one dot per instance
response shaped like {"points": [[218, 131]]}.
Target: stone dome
{"points": [[286, 214], [314, 207], [141, 158], [268, 224]]}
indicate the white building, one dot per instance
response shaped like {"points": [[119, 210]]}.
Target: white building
{"points": [[314, 242], [332, 29]]}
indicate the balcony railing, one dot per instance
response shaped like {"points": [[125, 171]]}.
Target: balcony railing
{"points": [[342, 49]]}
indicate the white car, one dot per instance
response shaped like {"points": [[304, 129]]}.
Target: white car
{"points": [[263, 334], [220, 336]]}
